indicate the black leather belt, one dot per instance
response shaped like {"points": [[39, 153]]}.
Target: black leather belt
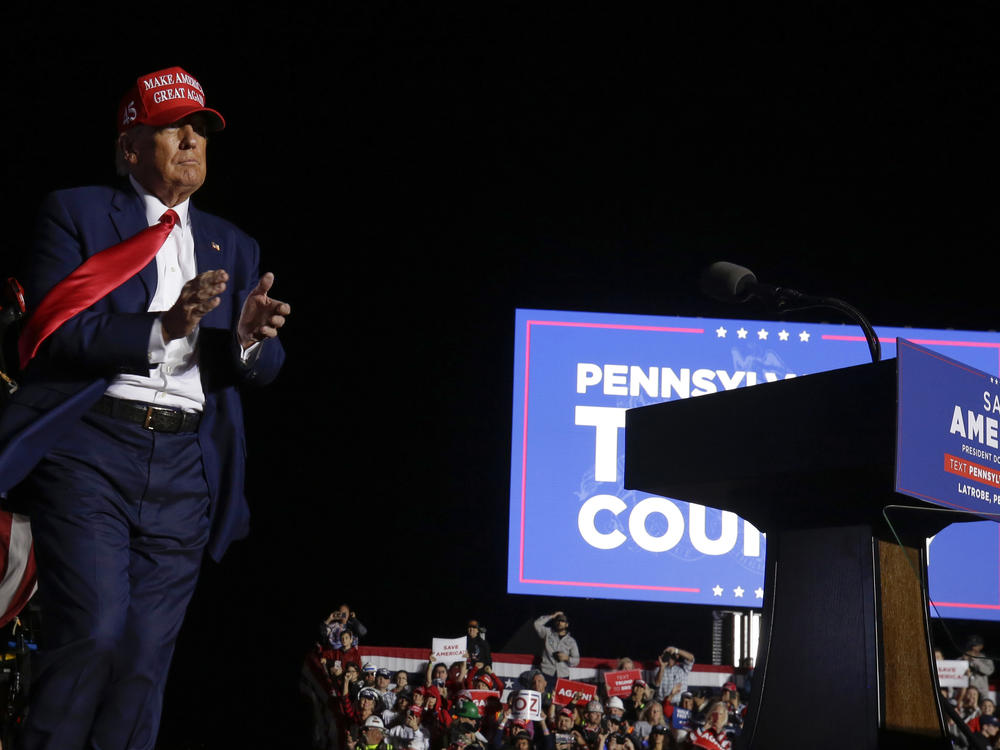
{"points": [[156, 418]]}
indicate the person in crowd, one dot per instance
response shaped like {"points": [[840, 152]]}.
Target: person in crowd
{"points": [[368, 671], [356, 712], [736, 708], [382, 678], [435, 717], [348, 650], [615, 707], [508, 728], [436, 674], [477, 645], [482, 678], [371, 736], [980, 667], [675, 665], [338, 620], [660, 738], [455, 679], [619, 740], [987, 707], [396, 715], [401, 682], [712, 734], [989, 727], [559, 648], [682, 716], [968, 707], [651, 716], [464, 728], [636, 702], [411, 732]]}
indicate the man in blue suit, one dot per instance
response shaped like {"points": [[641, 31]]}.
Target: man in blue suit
{"points": [[125, 441]]}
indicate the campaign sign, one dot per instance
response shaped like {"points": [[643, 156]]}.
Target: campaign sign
{"points": [[948, 432], [482, 697], [574, 530], [953, 673], [620, 683], [527, 705], [565, 689], [681, 718], [449, 650]]}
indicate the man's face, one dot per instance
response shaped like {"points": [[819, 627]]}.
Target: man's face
{"points": [[593, 716], [564, 723], [346, 639], [366, 703], [562, 627], [473, 631], [616, 713], [373, 735], [381, 682], [538, 683], [169, 161], [344, 613]]}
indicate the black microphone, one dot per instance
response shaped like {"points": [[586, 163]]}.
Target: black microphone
{"points": [[728, 282]]}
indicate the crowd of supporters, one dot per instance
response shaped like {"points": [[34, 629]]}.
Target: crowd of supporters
{"points": [[360, 705], [440, 707]]}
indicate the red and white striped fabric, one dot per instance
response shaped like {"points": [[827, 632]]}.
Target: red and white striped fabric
{"points": [[17, 565]]}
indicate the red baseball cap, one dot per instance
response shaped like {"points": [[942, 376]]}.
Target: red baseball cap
{"points": [[164, 97]]}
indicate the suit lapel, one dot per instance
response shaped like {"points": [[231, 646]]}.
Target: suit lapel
{"points": [[211, 254], [129, 218]]}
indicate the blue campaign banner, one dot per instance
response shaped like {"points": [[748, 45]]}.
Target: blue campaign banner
{"points": [[947, 433], [575, 531]]}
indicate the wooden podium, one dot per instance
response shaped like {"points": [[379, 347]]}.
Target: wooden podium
{"points": [[845, 659]]}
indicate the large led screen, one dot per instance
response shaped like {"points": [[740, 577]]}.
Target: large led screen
{"points": [[576, 531]]}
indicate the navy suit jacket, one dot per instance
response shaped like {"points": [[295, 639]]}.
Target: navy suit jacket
{"points": [[77, 362]]}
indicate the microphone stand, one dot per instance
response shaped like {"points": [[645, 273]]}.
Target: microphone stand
{"points": [[789, 300]]}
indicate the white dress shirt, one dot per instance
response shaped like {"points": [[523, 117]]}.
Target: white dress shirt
{"points": [[174, 379]]}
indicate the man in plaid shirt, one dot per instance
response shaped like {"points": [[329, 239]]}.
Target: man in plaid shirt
{"points": [[672, 675]]}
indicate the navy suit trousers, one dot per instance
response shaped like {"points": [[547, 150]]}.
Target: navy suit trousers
{"points": [[120, 518]]}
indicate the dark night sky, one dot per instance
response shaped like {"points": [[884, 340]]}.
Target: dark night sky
{"points": [[416, 171]]}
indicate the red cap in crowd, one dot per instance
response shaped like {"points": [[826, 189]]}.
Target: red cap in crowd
{"points": [[164, 97]]}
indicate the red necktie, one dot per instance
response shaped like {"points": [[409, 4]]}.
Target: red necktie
{"points": [[97, 276]]}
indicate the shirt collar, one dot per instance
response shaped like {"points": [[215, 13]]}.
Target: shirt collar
{"points": [[154, 207]]}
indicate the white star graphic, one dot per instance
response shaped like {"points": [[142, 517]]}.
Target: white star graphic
{"points": [[783, 335], [717, 590], [759, 592], [738, 591], [721, 332], [762, 334], [804, 336], [742, 333], [508, 684]]}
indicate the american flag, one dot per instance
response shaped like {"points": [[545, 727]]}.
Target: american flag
{"points": [[17, 565]]}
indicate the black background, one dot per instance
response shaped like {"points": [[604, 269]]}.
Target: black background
{"points": [[416, 171]]}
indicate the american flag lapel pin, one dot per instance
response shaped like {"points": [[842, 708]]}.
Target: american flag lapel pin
{"points": [[215, 246]]}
